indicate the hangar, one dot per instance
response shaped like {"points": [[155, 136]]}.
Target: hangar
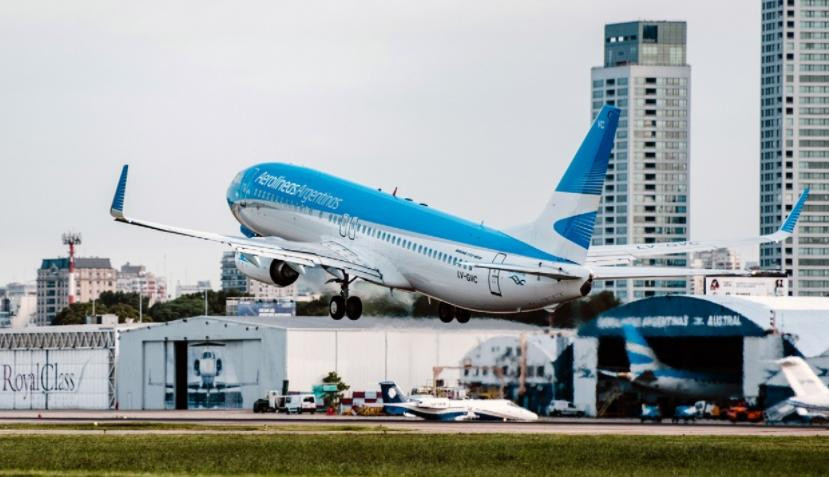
{"points": [[229, 362], [742, 335], [531, 369], [59, 367]]}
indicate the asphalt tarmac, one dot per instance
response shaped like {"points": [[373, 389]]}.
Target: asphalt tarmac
{"points": [[306, 422]]}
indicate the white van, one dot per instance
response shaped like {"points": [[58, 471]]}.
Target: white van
{"points": [[296, 403]]}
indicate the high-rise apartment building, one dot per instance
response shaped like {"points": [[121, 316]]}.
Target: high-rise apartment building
{"points": [[794, 139], [646, 192], [92, 277], [136, 279]]}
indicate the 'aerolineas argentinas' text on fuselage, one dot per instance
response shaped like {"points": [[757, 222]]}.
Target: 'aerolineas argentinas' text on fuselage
{"points": [[302, 191]]}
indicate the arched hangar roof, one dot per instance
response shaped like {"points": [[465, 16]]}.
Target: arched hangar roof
{"points": [[805, 319]]}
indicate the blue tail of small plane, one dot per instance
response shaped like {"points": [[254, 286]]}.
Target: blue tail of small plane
{"points": [[640, 354], [392, 395]]}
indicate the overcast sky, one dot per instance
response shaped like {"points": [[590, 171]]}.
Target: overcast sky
{"points": [[475, 107]]}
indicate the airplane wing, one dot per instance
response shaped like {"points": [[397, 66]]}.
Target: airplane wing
{"points": [[621, 272], [623, 254], [329, 254]]}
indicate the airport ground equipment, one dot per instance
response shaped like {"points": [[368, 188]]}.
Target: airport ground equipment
{"points": [[742, 412], [287, 403], [685, 414], [268, 404], [650, 412], [564, 408]]}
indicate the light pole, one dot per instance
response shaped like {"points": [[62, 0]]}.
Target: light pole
{"points": [[205, 302]]}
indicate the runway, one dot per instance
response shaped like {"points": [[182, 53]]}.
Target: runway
{"points": [[224, 421]]}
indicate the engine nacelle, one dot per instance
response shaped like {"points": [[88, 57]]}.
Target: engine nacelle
{"points": [[266, 270]]}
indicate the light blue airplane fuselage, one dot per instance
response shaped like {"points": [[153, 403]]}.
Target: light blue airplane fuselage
{"points": [[423, 247]]}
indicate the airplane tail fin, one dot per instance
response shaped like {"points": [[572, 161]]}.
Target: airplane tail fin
{"points": [[801, 378], [640, 354], [565, 226], [391, 393]]}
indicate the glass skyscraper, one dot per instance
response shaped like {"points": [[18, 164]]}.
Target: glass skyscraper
{"points": [[645, 197], [794, 138]]}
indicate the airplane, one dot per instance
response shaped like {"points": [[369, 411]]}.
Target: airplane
{"points": [[293, 217], [648, 372], [810, 393], [208, 368], [396, 403]]}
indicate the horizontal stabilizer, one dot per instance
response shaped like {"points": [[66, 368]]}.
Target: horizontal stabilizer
{"points": [[543, 271]]}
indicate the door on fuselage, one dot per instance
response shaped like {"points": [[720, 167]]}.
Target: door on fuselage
{"points": [[495, 275]]}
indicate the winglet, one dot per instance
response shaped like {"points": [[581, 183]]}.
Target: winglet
{"points": [[791, 220], [117, 209]]}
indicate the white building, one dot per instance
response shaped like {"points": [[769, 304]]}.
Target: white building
{"points": [[645, 197], [92, 276], [136, 279], [257, 355], [199, 287], [794, 139], [18, 304]]}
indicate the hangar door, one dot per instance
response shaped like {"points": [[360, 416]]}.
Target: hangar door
{"points": [[210, 374]]}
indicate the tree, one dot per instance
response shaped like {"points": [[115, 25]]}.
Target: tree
{"points": [[190, 305], [424, 306], [318, 307], [332, 399], [74, 314], [574, 313], [385, 306]]}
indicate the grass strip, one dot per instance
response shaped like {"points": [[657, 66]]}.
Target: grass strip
{"points": [[412, 455]]}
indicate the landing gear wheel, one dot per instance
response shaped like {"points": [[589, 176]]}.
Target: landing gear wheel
{"points": [[336, 308], [446, 312], [353, 307], [462, 315]]}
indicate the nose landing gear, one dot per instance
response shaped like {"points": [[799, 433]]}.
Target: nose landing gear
{"points": [[343, 304]]}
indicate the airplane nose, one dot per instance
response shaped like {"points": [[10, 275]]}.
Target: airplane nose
{"points": [[233, 191]]}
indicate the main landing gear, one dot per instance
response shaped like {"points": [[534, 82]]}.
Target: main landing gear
{"points": [[343, 304], [447, 312]]}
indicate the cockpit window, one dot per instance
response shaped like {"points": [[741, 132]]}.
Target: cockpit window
{"points": [[238, 179]]}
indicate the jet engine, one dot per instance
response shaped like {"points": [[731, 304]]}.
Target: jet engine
{"points": [[266, 270]]}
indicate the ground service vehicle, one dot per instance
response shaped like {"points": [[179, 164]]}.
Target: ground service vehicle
{"points": [[563, 408], [741, 412], [651, 412], [685, 413], [291, 403]]}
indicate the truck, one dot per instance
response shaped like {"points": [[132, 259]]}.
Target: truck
{"points": [[288, 403]]}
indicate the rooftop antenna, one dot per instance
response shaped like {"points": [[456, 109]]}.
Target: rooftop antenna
{"points": [[72, 239], [394, 194]]}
